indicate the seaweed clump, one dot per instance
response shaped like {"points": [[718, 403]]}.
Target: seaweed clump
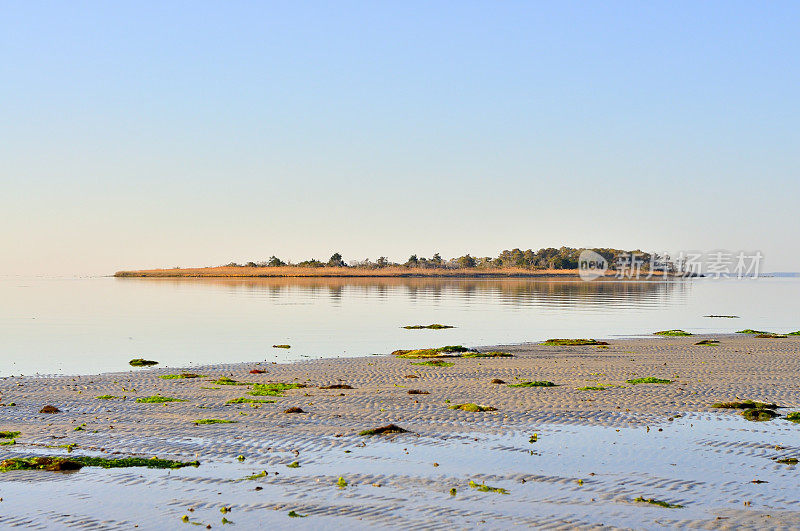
{"points": [[434, 326], [674, 333], [794, 416], [157, 399], [660, 503], [273, 389], [224, 380], [472, 408], [383, 430], [61, 464], [753, 411], [486, 488], [751, 331], [574, 342], [245, 400], [440, 352], [648, 380], [771, 336], [181, 376], [141, 362], [490, 354], [435, 363], [214, 421], [708, 342], [535, 383], [337, 386], [281, 346]]}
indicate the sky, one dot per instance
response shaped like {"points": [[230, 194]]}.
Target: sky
{"points": [[149, 134]]}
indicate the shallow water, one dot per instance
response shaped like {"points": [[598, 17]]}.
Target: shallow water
{"points": [[572, 476], [83, 326]]}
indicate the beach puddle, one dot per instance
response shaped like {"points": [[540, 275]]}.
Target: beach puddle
{"points": [[699, 467]]}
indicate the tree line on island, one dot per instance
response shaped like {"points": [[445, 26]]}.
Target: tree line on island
{"points": [[548, 258]]}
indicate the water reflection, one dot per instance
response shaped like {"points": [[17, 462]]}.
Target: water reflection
{"points": [[519, 292]]}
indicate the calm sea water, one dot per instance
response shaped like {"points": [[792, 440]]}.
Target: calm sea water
{"points": [[80, 326]]}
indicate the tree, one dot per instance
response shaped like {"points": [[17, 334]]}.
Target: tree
{"points": [[274, 261], [466, 261], [413, 261], [382, 262], [336, 261]]}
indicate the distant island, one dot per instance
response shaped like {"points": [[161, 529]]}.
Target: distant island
{"points": [[550, 262]]}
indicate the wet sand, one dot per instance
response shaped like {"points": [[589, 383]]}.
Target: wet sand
{"points": [[595, 451]]}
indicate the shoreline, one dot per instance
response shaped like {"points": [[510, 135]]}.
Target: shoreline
{"points": [[403, 480], [388, 272]]}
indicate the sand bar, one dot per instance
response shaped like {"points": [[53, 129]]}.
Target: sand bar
{"points": [[594, 451]]}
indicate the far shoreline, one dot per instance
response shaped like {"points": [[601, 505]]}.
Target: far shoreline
{"points": [[387, 272]]}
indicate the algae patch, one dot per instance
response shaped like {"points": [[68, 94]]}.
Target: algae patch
{"points": [[434, 363], [648, 380], [383, 430], [660, 503], [486, 488], [273, 389], [157, 399], [574, 342], [434, 326], [539, 383], [141, 362], [472, 408], [672, 333]]}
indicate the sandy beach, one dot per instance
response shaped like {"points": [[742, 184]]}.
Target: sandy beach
{"points": [[563, 456]]}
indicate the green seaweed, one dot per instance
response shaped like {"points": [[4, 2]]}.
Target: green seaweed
{"points": [[771, 336], [107, 397], [141, 362], [592, 388], [751, 331], [660, 503], [272, 389], [472, 408], [486, 488], [214, 421], [434, 326], [453, 491], [341, 482], [244, 400], [293, 464], [260, 475], [676, 333], [9, 434], [708, 342], [491, 354], [181, 376], [794, 416], [281, 346], [574, 342], [759, 415], [157, 399], [383, 430], [787, 460], [648, 380], [434, 363], [745, 404], [295, 514], [57, 463], [439, 352], [535, 383], [797, 333], [224, 380]]}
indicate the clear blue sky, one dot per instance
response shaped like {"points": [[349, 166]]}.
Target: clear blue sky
{"points": [[194, 133]]}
